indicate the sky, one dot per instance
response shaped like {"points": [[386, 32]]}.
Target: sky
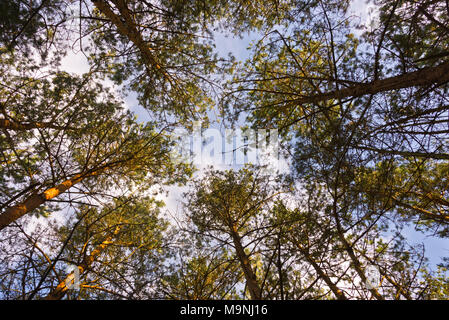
{"points": [[75, 62]]}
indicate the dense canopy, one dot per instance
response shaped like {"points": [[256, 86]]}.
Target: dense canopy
{"points": [[360, 104]]}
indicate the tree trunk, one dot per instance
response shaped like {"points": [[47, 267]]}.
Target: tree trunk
{"points": [[355, 261], [126, 27], [423, 77], [251, 279], [16, 126], [61, 289], [32, 202], [337, 292]]}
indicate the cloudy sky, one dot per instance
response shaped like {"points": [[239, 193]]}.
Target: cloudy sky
{"points": [[75, 62]]}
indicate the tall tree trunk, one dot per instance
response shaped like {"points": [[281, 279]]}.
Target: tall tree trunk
{"points": [[400, 288], [17, 126], [35, 200], [423, 77], [355, 261], [251, 279], [337, 291], [126, 27], [61, 289]]}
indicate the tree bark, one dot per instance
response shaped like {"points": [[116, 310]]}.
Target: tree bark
{"points": [[422, 77], [35, 200], [251, 279], [337, 292], [61, 289], [355, 261], [16, 126], [126, 27]]}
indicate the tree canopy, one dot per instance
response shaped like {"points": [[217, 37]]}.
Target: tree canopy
{"points": [[362, 113]]}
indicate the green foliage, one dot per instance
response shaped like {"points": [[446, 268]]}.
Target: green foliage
{"points": [[366, 137]]}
